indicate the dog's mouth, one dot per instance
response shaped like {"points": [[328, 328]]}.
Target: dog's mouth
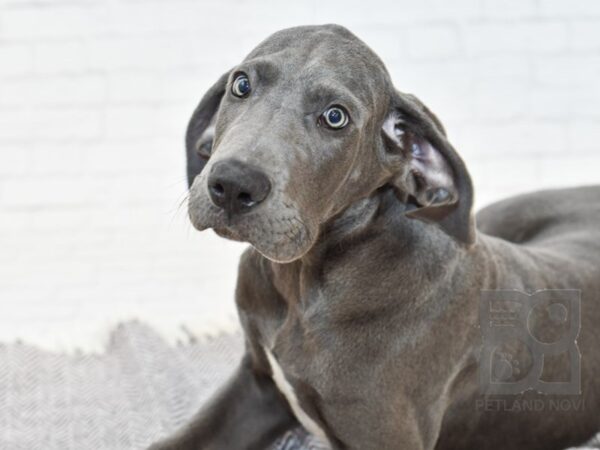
{"points": [[276, 230], [227, 233], [281, 238]]}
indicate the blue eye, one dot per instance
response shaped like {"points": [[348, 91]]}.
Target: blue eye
{"points": [[336, 117], [416, 149], [241, 86]]}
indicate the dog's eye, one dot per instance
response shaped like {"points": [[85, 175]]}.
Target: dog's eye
{"points": [[416, 149], [204, 148], [335, 117], [241, 86]]}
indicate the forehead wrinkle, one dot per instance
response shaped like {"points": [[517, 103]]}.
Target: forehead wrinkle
{"points": [[357, 83], [263, 67], [289, 94], [282, 102], [331, 92], [321, 95]]}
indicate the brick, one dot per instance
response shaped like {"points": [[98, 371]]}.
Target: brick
{"points": [[508, 37], [417, 77], [157, 17], [150, 53], [509, 9], [191, 87], [498, 174], [273, 16], [356, 12], [560, 8], [584, 138], [60, 57], [585, 35], [57, 21], [44, 192], [136, 86], [42, 3], [502, 68], [173, 120], [131, 122], [549, 103], [15, 124], [565, 103], [67, 124], [433, 41], [49, 158], [450, 99], [495, 100], [143, 189], [12, 222], [458, 10], [80, 90], [127, 157], [46, 220], [15, 59], [569, 171], [523, 137], [567, 71], [14, 159]]}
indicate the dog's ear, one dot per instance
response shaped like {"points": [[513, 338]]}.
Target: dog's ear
{"points": [[427, 172], [200, 130]]}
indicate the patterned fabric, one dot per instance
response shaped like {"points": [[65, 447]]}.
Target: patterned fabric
{"points": [[139, 390], [298, 440]]}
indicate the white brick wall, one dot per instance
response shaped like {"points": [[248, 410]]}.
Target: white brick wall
{"points": [[94, 100]]}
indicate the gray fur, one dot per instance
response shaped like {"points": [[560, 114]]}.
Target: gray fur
{"points": [[366, 268]]}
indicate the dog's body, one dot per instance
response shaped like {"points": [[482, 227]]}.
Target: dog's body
{"points": [[367, 329], [386, 363]]}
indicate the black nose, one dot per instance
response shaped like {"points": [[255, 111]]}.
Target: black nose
{"points": [[236, 187]]}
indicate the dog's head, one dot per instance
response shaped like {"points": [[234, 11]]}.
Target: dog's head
{"points": [[305, 126]]}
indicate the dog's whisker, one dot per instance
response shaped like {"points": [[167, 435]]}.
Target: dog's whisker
{"points": [[176, 182], [185, 198]]}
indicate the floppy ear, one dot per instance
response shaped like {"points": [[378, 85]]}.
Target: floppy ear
{"points": [[200, 130], [427, 172]]}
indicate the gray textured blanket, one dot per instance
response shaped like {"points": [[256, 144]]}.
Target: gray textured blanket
{"points": [[139, 390]]}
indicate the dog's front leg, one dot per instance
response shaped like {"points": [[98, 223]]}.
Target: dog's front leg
{"points": [[248, 413]]}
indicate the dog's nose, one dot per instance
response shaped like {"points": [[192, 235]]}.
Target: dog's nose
{"points": [[237, 187]]}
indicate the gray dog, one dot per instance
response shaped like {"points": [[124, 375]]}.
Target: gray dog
{"points": [[360, 296]]}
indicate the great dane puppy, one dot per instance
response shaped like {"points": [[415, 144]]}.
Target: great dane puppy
{"points": [[360, 295]]}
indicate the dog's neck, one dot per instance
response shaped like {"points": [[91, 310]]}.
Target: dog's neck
{"points": [[410, 245], [423, 249], [437, 283], [351, 222], [384, 214]]}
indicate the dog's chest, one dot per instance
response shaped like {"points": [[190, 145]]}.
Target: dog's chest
{"points": [[289, 393]]}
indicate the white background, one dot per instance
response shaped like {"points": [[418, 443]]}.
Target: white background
{"points": [[95, 96]]}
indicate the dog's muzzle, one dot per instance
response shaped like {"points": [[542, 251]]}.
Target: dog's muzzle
{"points": [[238, 201], [236, 188]]}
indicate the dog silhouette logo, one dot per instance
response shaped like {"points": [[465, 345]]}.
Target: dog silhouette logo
{"points": [[529, 342]]}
